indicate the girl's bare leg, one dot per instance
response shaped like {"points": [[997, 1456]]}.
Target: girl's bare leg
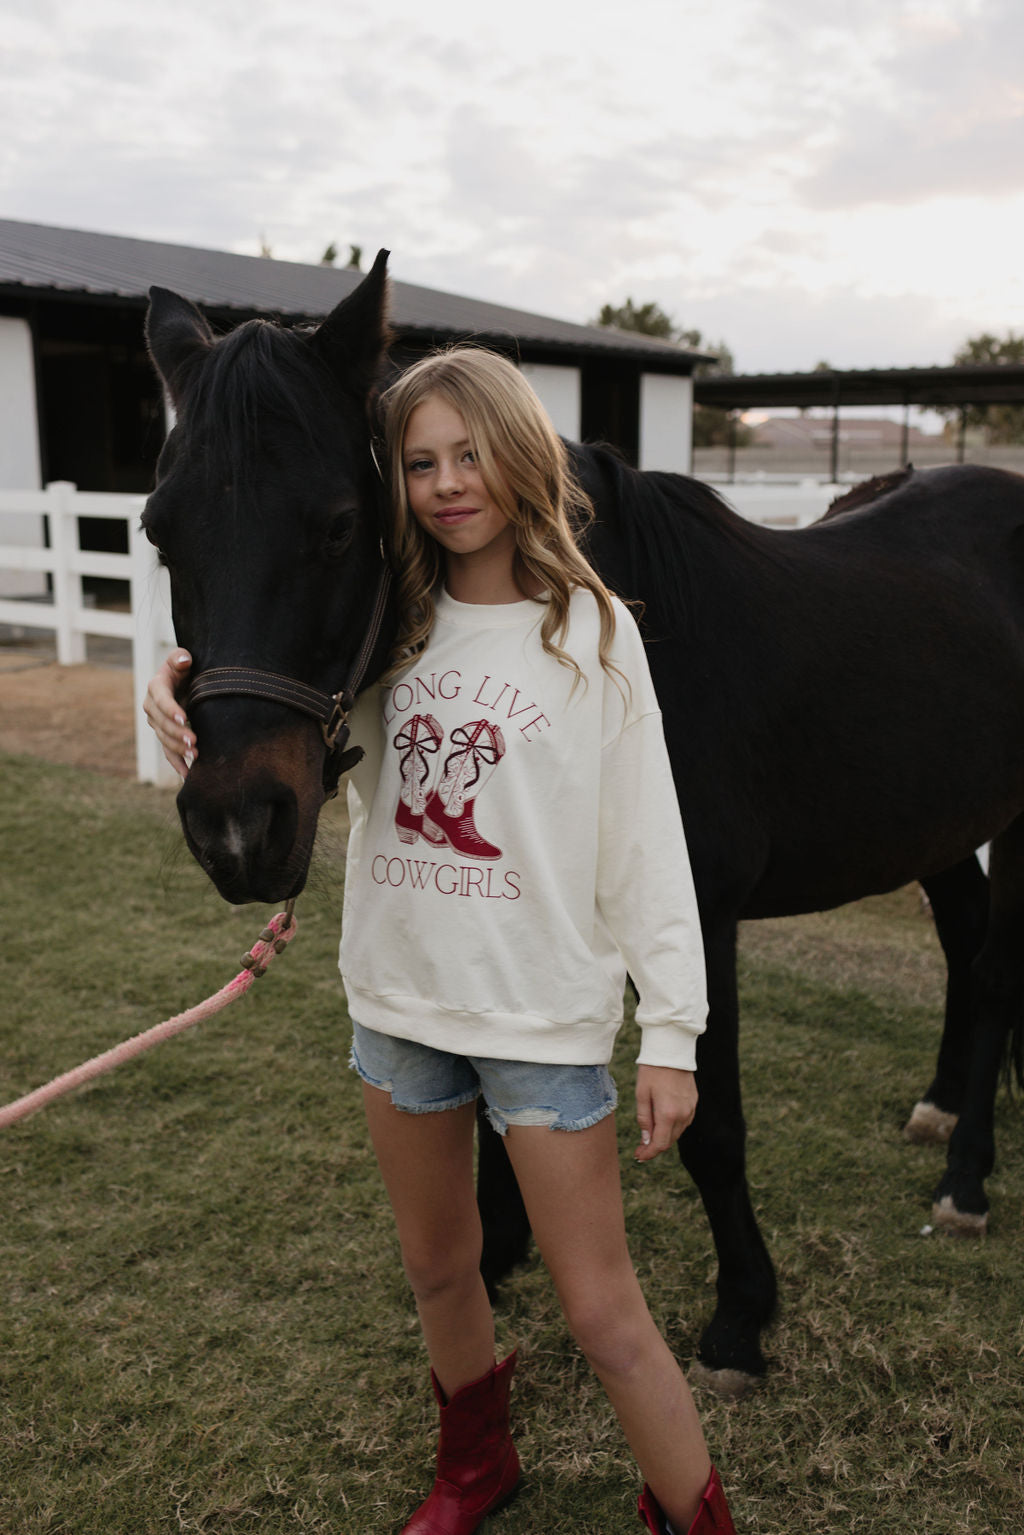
{"points": [[427, 1164], [572, 1191]]}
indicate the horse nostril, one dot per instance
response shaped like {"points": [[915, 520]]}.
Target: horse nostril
{"points": [[281, 827]]}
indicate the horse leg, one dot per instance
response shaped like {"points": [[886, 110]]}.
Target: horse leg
{"points": [[713, 1151], [961, 1203], [959, 901], [502, 1212]]}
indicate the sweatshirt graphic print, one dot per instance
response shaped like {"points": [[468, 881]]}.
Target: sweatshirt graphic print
{"points": [[443, 815], [516, 844]]}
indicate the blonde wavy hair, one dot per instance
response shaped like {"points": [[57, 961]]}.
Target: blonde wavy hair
{"points": [[525, 468]]}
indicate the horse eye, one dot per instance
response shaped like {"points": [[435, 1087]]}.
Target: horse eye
{"points": [[151, 536], [339, 533]]}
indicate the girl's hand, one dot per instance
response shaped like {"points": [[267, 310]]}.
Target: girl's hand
{"points": [[666, 1101], [167, 717]]}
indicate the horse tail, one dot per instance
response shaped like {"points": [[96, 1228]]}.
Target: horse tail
{"points": [[1014, 1061]]}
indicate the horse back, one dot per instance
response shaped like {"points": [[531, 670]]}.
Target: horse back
{"points": [[843, 704]]}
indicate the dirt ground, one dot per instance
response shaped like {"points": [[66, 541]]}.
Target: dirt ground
{"points": [[78, 715]]}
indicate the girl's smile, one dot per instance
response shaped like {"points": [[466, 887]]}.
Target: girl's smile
{"points": [[450, 516]]}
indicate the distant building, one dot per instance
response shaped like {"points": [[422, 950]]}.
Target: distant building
{"points": [[789, 433]]}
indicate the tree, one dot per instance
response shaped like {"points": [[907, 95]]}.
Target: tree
{"points": [[355, 257], [647, 319], [1002, 424], [711, 428]]}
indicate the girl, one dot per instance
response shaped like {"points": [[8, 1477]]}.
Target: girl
{"points": [[515, 845]]}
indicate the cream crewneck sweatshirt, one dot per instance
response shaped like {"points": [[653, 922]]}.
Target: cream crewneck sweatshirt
{"points": [[516, 845]]}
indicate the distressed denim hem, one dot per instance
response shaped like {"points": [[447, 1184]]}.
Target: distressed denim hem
{"points": [[386, 1086], [551, 1119]]}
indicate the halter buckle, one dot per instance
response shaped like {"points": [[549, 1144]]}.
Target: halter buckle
{"points": [[332, 728]]}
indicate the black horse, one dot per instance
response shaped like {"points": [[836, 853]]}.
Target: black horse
{"points": [[844, 708]]}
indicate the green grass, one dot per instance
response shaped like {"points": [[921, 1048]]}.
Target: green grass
{"points": [[204, 1325]]}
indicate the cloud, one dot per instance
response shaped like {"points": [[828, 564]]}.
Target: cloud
{"points": [[777, 172], [940, 113], [786, 328]]}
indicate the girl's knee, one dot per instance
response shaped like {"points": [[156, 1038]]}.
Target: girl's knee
{"points": [[612, 1330], [442, 1270]]}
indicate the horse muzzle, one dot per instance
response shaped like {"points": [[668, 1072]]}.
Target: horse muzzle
{"points": [[250, 820]]}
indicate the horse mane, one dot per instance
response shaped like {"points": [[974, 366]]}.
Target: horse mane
{"points": [[255, 380], [867, 491], [652, 514]]}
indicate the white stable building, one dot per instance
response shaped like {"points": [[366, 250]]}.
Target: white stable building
{"points": [[80, 402], [82, 413]]}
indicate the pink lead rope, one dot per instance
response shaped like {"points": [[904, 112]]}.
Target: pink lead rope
{"points": [[279, 931]]}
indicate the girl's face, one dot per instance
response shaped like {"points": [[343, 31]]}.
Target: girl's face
{"points": [[446, 492]]}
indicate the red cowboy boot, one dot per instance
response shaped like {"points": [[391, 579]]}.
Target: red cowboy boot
{"points": [[419, 739], [448, 816], [713, 1516], [477, 1464]]}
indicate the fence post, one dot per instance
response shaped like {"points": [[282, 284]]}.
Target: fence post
{"points": [[67, 583], [150, 617]]}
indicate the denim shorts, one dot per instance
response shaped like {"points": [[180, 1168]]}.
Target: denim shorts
{"points": [[422, 1080]]}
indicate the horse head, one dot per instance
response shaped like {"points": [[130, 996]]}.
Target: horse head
{"points": [[269, 516]]}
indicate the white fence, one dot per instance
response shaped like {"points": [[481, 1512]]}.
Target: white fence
{"points": [[780, 505], [148, 623]]}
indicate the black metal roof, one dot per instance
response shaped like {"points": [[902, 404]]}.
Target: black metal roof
{"points": [[969, 384], [38, 260]]}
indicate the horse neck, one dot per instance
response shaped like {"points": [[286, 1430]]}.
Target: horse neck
{"points": [[664, 539]]}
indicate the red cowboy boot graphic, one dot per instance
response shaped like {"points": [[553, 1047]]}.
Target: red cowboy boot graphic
{"points": [[418, 740], [448, 815]]}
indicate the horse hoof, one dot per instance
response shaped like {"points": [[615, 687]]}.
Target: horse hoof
{"points": [[929, 1126], [959, 1222], [728, 1385]]}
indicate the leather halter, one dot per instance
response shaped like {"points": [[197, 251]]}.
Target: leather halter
{"points": [[330, 710]]}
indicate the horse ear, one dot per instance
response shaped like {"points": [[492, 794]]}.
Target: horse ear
{"points": [[354, 337], [177, 336]]}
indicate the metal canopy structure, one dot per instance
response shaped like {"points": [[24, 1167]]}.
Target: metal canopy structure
{"points": [[971, 384], [960, 385]]}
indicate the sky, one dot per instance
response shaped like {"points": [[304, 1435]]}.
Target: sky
{"points": [[805, 180]]}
